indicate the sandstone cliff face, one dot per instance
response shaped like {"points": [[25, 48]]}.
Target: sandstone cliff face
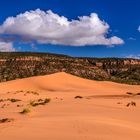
{"points": [[21, 65]]}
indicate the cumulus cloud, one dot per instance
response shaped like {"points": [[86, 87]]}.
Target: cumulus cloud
{"points": [[50, 28], [6, 47]]}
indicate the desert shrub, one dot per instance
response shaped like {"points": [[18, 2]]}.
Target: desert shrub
{"points": [[3, 106], [40, 102], [119, 103], [35, 93], [128, 105], [19, 105], [78, 97], [132, 103], [1, 100], [19, 91], [25, 111], [5, 120], [32, 92], [129, 93], [13, 100]]}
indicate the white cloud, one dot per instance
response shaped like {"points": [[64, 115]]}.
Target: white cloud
{"points": [[134, 56], [6, 47], [132, 38], [50, 28], [139, 28]]}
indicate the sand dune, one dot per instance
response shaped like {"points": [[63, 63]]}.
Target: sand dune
{"points": [[102, 113]]}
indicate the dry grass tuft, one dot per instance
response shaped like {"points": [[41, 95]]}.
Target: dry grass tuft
{"points": [[25, 111], [40, 102]]}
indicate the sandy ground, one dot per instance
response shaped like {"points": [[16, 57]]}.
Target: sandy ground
{"points": [[102, 113]]}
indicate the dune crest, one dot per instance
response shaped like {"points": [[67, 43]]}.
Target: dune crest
{"points": [[64, 81]]}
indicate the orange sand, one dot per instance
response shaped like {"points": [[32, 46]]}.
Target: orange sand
{"points": [[100, 115]]}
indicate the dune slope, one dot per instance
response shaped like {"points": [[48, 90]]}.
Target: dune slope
{"points": [[102, 110]]}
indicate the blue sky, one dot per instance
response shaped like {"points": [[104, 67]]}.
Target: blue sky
{"points": [[122, 16]]}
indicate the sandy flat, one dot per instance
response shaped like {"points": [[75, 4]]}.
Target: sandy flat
{"points": [[102, 113]]}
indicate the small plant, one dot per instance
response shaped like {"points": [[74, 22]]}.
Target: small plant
{"points": [[5, 120], [39, 102], [35, 93], [1, 100], [25, 111], [3, 106], [13, 100], [119, 103], [129, 93], [78, 97], [32, 92], [128, 105], [19, 105], [131, 103]]}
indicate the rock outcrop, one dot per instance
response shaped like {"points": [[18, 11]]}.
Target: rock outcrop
{"points": [[20, 65]]}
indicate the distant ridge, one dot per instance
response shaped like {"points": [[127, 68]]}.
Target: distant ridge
{"points": [[17, 65]]}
